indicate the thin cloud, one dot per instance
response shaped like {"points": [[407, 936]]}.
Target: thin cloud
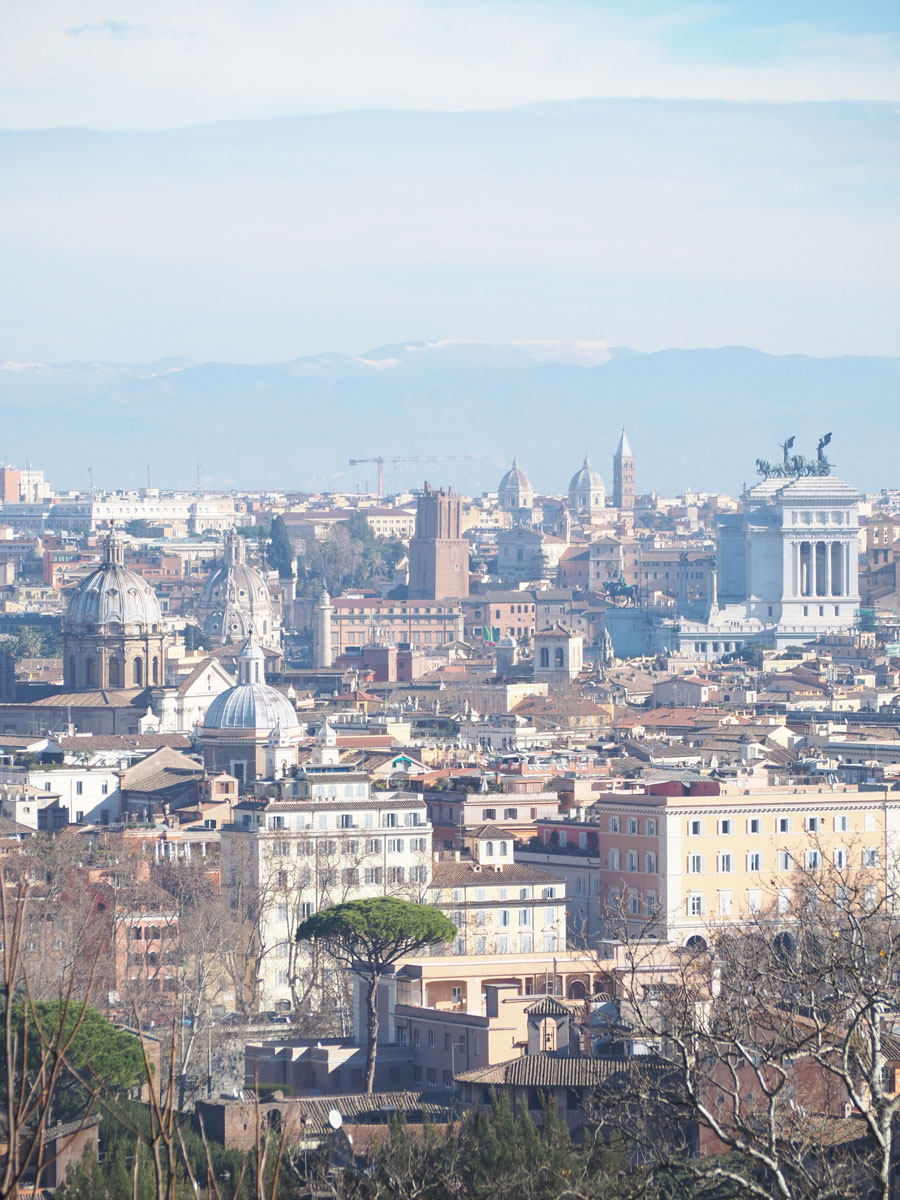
{"points": [[117, 29]]}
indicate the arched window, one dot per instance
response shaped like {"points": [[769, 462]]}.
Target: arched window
{"points": [[137, 672], [154, 673], [115, 673], [545, 657], [503, 849], [71, 679], [90, 672], [489, 849], [559, 656]]}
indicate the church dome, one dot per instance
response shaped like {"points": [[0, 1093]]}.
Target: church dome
{"points": [[586, 489], [113, 596], [252, 705], [236, 600], [515, 490], [587, 478]]}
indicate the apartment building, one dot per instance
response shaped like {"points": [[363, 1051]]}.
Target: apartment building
{"points": [[497, 905], [684, 860], [333, 841]]}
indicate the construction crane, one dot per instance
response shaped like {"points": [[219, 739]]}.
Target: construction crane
{"points": [[399, 458]]}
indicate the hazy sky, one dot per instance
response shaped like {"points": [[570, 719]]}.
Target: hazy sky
{"points": [[463, 194]]}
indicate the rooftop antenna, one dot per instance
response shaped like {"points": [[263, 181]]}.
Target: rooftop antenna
{"points": [[199, 465]]}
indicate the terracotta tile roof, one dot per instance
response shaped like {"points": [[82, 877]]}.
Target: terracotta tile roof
{"points": [[461, 874], [124, 741], [548, 1070], [548, 1006]]}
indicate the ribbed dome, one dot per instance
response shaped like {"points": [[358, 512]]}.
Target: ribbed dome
{"points": [[251, 706], [587, 479], [236, 599], [112, 595], [515, 478]]}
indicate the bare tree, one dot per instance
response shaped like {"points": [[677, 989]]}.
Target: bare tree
{"points": [[785, 1072]]}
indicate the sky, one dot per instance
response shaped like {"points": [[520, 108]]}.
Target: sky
{"points": [[253, 180]]}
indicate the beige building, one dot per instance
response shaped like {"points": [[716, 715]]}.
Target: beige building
{"points": [[690, 862], [499, 906]]}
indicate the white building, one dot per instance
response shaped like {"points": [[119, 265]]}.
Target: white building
{"points": [[326, 840], [787, 568]]}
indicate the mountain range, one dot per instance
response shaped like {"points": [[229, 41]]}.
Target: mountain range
{"points": [[696, 418]]}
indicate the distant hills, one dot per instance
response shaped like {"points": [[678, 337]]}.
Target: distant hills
{"points": [[695, 418]]}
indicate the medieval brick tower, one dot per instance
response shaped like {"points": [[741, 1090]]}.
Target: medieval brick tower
{"points": [[623, 475], [438, 555]]}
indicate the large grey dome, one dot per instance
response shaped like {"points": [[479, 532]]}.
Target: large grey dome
{"points": [[587, 478], [113, 596], [252, 704], [236, 601], [515, 477], [587, 491]]}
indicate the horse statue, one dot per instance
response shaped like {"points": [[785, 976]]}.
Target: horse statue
{"points": [[620, 593]]}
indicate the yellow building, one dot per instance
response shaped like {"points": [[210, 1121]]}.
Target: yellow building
{"points": [[690, 862]]}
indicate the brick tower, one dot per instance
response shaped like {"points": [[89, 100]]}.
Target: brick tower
{"points": [[438, 555], [623, 475]]}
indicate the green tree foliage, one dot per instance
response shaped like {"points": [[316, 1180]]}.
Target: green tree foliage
{"points": [[195, 638], [107, 1060], [280, 552], [368, 936], [349, 556], [493, 1155], [34, 641]]}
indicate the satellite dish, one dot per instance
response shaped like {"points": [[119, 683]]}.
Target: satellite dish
{"points": [[335, 1120]]}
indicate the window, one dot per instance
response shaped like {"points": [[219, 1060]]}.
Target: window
{"points": [[503, 944], [726, 903], [841, 824], [695, 904], [504, 917], [650, 863], [840, 858], [613, 824], [811, 860], [754, 900], [651, 827], [812, 824], [523, 916], [430, 1039], [785, 862], [870, 857], [634, 904], [784, 899], [549, 916], [526, 943], [695, 864], [695, 828], [754, 825], [784, 824], [871, 823], [726, 863], [549, 893], [509, 814], [632, 860], [613, 860], [725, 826], [480, 918], [396, 845], [754, 861], [79, 788], [632, 825], [488, 814], [373, 845], [481, 945], [389, 820], [651, 904]]}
